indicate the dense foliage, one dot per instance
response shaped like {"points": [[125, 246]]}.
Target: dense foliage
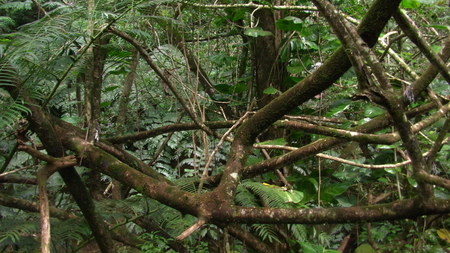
{"points": [[224, 126]]}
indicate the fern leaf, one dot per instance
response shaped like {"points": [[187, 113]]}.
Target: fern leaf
{"points": [[266, 232]]}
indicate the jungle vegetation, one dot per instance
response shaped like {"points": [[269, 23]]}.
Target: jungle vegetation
{"points": [[224, 126]]}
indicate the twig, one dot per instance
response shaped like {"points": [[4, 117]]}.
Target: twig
{"points": [[200, 222], [216, 149]]}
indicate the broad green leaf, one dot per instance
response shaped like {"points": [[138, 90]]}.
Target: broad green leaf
{"points": [[71, 120], [292, 196], [382, 180], [392, 170], [412, 182], [270, 90], [255, 32], [410, 4], [373, 111], [224, 88], [290, 24], [338, 106], [333, 190]]}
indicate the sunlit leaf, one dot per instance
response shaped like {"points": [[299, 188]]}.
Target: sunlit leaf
{"points": [[410, 4], [412, 182], [373, 111], [444, 234], [256, 32], [270, 90]]}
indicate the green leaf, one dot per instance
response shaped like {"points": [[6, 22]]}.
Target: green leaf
{"points": [[224, 88], [392, 171], [444, 27], [383, 180], [333, 190], [290, 24], [373, 111], [239, 14], [111, 88], [71, 120], [105, 104], [412, 182], [256, 32], [410, 4], [292, 196], [338, 106], [295, 67], [279, 141], [271, 90], [239, 87]]}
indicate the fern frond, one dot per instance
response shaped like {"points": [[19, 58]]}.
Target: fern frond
{"points": [[298, 232], [12, 230], [245, 198], [266, 232], [18, 5], [187, 184], [72, 229], [270, 196], [5, 24], [10, 109]]}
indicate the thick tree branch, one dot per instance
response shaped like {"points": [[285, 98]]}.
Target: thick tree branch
{"points": [[382, 212], [40, 123], [22, 204]]}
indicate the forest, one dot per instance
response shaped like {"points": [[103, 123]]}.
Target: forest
{"points": [[224, 126]]}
